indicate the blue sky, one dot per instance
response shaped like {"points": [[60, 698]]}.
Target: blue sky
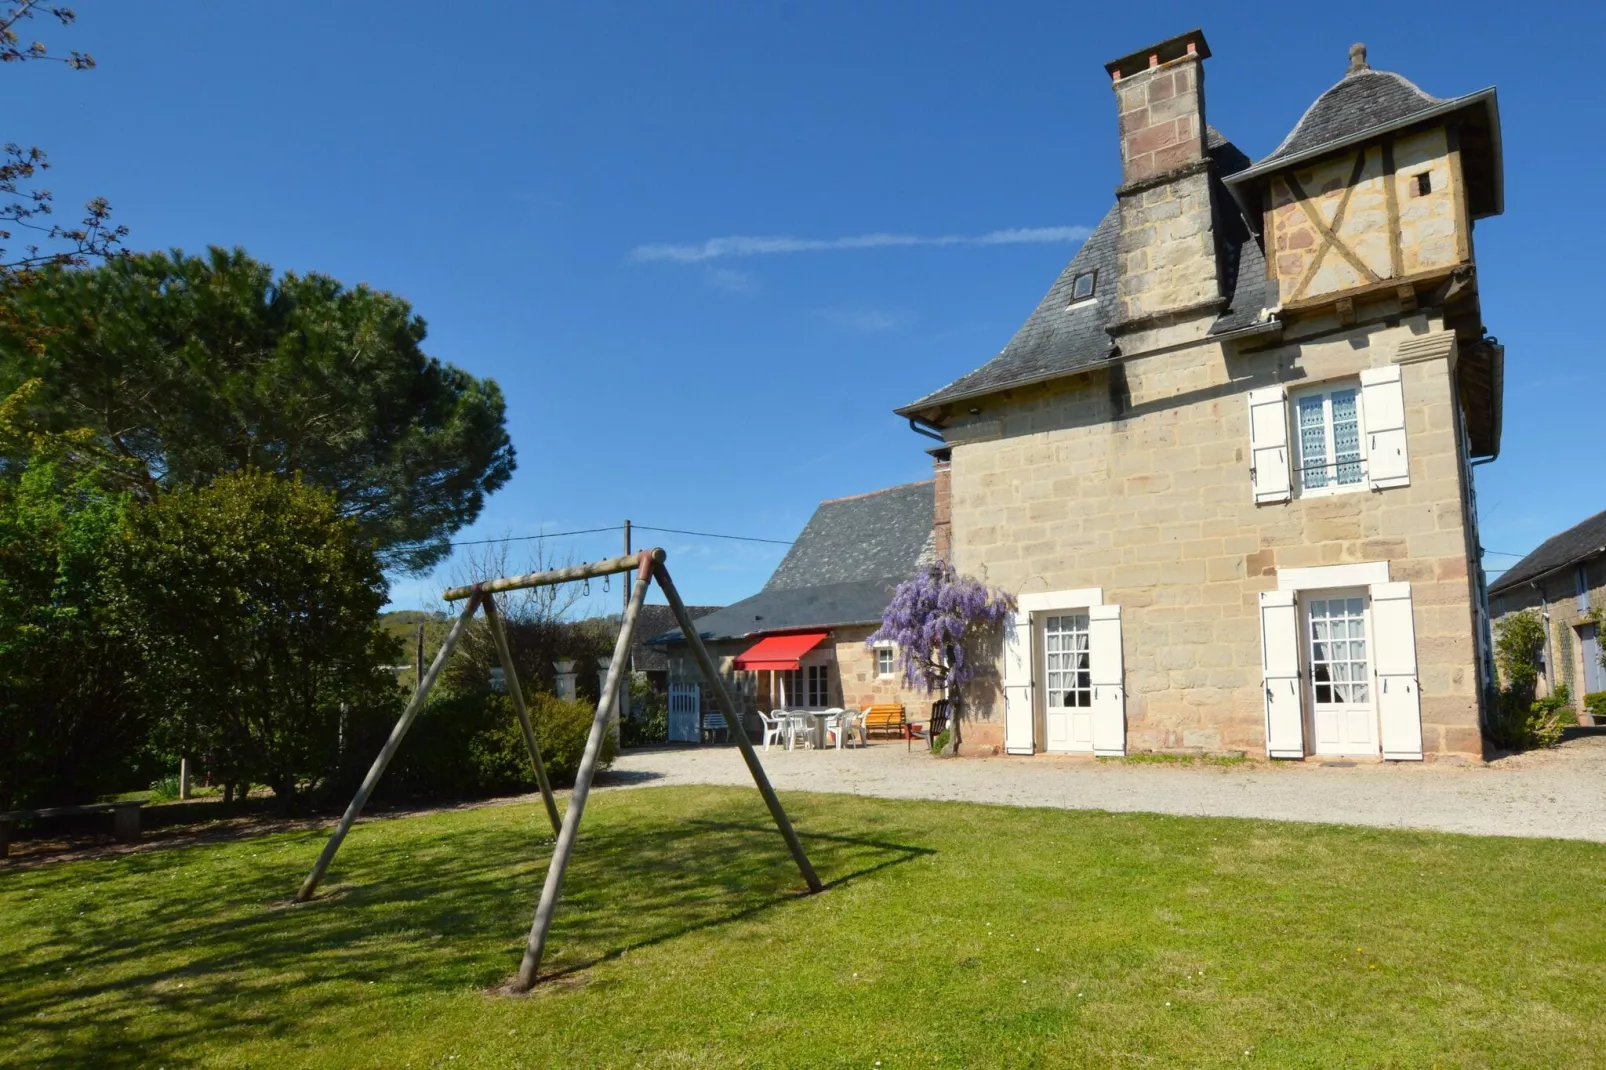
{"points": [[706, 248]]}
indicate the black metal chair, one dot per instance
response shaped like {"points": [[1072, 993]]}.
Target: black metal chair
{"points": [[935, 727]]}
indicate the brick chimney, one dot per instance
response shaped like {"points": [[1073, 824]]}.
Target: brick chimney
{"points": [[942, 503], [1166, 249]]}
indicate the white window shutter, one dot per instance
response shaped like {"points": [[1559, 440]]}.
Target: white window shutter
{"points": [[1268, 444], [1108, 679], [1279, 664], [1018, 717], [1383, 419], [1399, 695]]}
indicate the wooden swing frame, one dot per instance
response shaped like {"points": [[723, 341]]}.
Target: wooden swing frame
{"points": [[648, 565]]}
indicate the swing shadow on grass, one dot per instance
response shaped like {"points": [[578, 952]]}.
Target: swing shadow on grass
{"points": [[146, 958]]}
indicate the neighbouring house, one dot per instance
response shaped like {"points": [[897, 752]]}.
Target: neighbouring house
{"points": [[651, 661], [1565, 580], [800, 643], [1227, 463]]}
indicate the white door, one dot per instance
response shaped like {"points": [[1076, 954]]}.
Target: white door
{"points": [[685, 713], [1343, 717], [1067, 683]]}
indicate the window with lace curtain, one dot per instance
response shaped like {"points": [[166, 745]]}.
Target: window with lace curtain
{"points": [[1328, 439]]}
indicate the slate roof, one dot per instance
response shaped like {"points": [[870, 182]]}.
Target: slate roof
{"points": [[841, 570], [866, 537], [1367, 103], [1571, 546], [1058, 340], [651, 621], [1362, 101]]}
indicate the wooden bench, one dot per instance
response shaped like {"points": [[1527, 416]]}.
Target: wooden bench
{"points": [[125, 820], [886, 718]]}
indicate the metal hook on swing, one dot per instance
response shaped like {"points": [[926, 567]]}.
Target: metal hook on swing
{"points": [[605, 588], [585, 590]]}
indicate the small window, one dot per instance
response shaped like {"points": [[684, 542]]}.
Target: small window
{"points": [[791, 687], [1082, 286], [1424, 184], [819, 677], [1327, 437], [884, 661]]}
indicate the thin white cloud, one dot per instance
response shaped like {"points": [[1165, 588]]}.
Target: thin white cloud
{"points": [[747, 245]]}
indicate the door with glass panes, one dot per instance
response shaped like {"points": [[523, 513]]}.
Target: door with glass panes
{"points": [[1067, 683], [1338, 661]]}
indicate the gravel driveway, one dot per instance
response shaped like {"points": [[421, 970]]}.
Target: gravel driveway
{"points": [[1560, 793]]}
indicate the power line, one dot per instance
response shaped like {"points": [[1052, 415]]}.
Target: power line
{"points": [[714, 535], [544, 535], [620, 527]]}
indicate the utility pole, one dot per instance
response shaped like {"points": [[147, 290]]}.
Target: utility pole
{"points": [[418, 662], [625, 677]]}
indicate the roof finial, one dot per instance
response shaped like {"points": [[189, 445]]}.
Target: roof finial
{"points": [[1357, 59]]}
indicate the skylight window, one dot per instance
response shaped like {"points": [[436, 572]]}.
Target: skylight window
{"points": [[1082, 286]]}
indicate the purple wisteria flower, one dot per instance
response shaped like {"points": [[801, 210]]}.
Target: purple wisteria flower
{"points": [[936, 618]]}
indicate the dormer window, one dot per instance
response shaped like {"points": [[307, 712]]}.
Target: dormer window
{"points": [[1082, 286]]}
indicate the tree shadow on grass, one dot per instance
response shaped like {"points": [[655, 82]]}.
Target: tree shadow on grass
{"points": [[159, 957]]}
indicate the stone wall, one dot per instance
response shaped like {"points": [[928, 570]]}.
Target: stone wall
{"points": [[1389, 227], [1053, 489], [862, 686]]}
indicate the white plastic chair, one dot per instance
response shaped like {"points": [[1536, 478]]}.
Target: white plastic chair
{"points": [[830, 722], [851, 722], [798, 727], [774, 727]]}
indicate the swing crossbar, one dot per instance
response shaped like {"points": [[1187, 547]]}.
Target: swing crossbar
{"points": [[611, 567]]}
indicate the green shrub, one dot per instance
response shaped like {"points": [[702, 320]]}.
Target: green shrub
{"points": [[1522, 722], [1519, 720], [1595, 703], [939, 744], [165, 789], [469, 744], [648, 722]]}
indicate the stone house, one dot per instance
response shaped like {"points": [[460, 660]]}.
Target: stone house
{"points": [[800, 643], [1227, 463], [1565, 580], [650, 661]]}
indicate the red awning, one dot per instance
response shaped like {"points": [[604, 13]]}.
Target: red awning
{"points": [[778, 651]]}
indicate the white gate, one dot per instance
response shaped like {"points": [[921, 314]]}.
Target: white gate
{"points": [[685, 713]]}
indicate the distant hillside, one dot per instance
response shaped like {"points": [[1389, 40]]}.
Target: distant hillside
{"points": [[403, 624]]}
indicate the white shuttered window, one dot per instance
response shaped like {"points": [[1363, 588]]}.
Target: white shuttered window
{"points": [[1279, 664], [1268, 442], [1018, 684], [1399, 694], [1383, 403], [1109, 689]]}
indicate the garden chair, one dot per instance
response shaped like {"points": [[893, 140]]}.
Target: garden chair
{"points": [[774, 727], [934, 728], [798, 728], [849, 724]]}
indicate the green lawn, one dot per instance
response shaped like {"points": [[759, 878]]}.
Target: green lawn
{"points": [[953, 935]]}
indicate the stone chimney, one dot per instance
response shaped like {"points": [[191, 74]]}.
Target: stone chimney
{"points": [[1166, 249]]}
